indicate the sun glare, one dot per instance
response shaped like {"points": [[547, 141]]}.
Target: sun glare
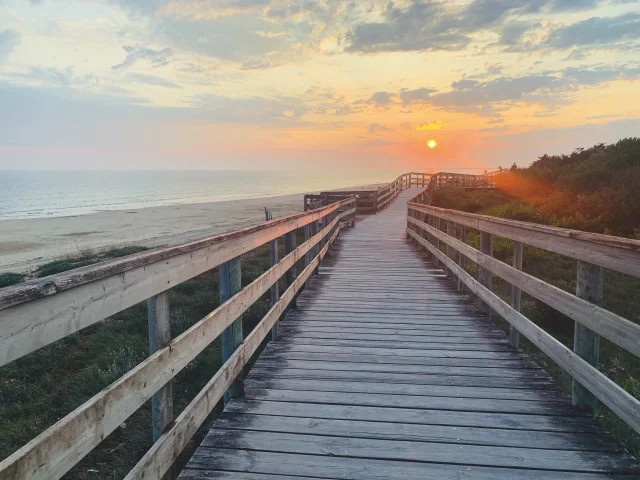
{"points": [[431, 143]]}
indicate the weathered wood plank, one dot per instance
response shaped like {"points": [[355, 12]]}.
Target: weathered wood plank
{"points": [[506, 421], [543, 393], [421, 433], [460, 454], [409, 401], [322, 466]]}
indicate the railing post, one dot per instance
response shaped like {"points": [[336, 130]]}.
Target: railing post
{"points": [[516, 294], [451, 231], [436, 241], [159, 336], [274, 293], [307, 236], [231, 338], [461, 258], [290, 276], [586, 342], [484, 275]]}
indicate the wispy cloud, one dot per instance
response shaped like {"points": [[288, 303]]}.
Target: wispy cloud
{"points": [[376, 128], [9, 40], [136, 53]]}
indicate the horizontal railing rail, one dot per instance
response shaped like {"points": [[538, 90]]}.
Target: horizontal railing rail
{"points": [[594, 252], [38, 313]]}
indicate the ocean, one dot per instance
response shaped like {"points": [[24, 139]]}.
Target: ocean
{"points": [[38, 194]]}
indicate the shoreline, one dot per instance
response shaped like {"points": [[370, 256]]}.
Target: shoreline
{"points": [[29, 242]]}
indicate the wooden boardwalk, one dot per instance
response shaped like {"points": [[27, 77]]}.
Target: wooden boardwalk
{"points": [[385, 371]]}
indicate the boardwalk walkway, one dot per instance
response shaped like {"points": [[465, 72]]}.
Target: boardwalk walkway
{"points": [[385, 371]]}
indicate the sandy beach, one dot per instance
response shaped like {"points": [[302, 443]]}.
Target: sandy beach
{"points": [[25, 244]]}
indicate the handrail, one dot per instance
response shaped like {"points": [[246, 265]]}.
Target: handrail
{"points": [[108, 288], [39, 312], [593, 252]]}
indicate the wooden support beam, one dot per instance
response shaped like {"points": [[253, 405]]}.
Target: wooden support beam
{"points": [[273, 292], [436, 242], [451, 230], [307, 236], [461, 258], [290, 246], [484, 275], [231, 338], [159, 336], [586, 342], [516, 294]]}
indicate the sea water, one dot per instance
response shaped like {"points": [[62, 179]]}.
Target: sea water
{"points": [[37, 193]]}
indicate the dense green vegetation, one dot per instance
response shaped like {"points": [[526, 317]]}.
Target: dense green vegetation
{"points": [[41, 388], [594, 190], [8, 279]]}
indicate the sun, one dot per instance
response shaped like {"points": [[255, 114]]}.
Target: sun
{"points": [[431, 144]]}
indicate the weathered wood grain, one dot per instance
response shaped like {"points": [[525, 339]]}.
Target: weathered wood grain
{"points": [[617, 253]]}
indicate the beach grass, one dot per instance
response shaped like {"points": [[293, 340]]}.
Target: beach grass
{"points": [[9, 278]]}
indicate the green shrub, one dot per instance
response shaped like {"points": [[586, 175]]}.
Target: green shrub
{"points": [[8, 279]]}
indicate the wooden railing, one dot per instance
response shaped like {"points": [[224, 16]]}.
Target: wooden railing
{"points": [[369, 201], [39, 312], [593, 253]]}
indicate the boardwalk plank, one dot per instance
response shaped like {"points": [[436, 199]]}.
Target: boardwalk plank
{"points": [[460, 454]]}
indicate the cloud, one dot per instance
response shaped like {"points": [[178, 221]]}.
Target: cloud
{"points": [[376, 128], [257, 65], [429, 26], [576, 55], [150, 80], [381, 98], [136, 53], [597, 31], [419, 95], [52, 76], [547, 89], [9, 40], [422, 26], [566, 5], [437, 125], [599, 75]]}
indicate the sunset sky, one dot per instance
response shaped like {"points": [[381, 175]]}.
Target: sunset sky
{"points": [[271, 84]]}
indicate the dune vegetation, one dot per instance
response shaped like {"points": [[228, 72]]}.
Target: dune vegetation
{"points": [[595, 190]]}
